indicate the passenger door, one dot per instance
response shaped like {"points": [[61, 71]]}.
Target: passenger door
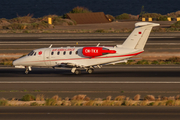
{"points": [[47, 57]]}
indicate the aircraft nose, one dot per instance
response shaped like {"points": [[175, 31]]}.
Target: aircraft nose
{"points": [[15, 62]]}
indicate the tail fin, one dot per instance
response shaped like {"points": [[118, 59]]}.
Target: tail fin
{"points": [[138, 38]]}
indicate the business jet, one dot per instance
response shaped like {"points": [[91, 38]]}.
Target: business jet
{"points": [[88, 58]]}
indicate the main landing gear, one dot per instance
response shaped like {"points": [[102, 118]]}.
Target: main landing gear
{"points": [[28, 69], [78, 71], [90, 70]]}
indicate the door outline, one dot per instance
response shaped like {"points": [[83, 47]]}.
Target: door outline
{"points": [[47, 57]]}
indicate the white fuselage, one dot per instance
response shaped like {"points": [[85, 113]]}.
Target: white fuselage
{"points": [[52, 57]]}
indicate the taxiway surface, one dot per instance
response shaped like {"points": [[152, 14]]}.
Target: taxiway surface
{"points": [[24, 43], [110, 80], [89, 113]]}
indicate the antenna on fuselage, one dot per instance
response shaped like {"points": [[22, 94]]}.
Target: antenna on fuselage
{"points": [[50, 46], [98, 45]]}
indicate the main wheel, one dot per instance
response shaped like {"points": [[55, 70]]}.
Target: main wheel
{"points": [[77, 72], [90, 71]]}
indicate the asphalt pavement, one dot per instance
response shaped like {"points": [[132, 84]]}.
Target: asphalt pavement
{"points": [[110, 80], [90, 113]]}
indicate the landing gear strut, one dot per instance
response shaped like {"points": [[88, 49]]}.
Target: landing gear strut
{"points": [[76, 71], [27, 69]]}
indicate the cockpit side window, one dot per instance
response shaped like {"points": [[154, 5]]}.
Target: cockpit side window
{"points": [[31, 53]]}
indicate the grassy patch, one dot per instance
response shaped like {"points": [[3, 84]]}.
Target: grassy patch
{"points": [[2, 91], [176, 25], [137, 97], [149, 97], [34, 104], [24, 90], [123, 16], [37, 91], [14, 91], [40, 97], [28, 97], [148, 100], [6, 61], [100, 31], [79, 9], [169, 61], [51, 102], [3, 102]]}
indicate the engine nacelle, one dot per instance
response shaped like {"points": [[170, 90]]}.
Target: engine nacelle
{"points": [[96, 51]]}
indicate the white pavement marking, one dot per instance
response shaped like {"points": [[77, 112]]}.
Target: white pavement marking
{"points": [[85, 82]]}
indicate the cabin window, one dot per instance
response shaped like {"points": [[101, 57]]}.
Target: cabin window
{"points": [[70, 52], [52, 53], [64, 52], [76, 52], [58, 52], [35, 54]]}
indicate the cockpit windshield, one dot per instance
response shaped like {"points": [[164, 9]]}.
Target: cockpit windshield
{"points": [[31, 53]]}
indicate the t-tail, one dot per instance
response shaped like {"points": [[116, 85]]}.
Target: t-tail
{"points": [[138, 38]]}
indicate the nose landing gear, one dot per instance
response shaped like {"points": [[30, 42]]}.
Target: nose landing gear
{"points": [[28, 69]]}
